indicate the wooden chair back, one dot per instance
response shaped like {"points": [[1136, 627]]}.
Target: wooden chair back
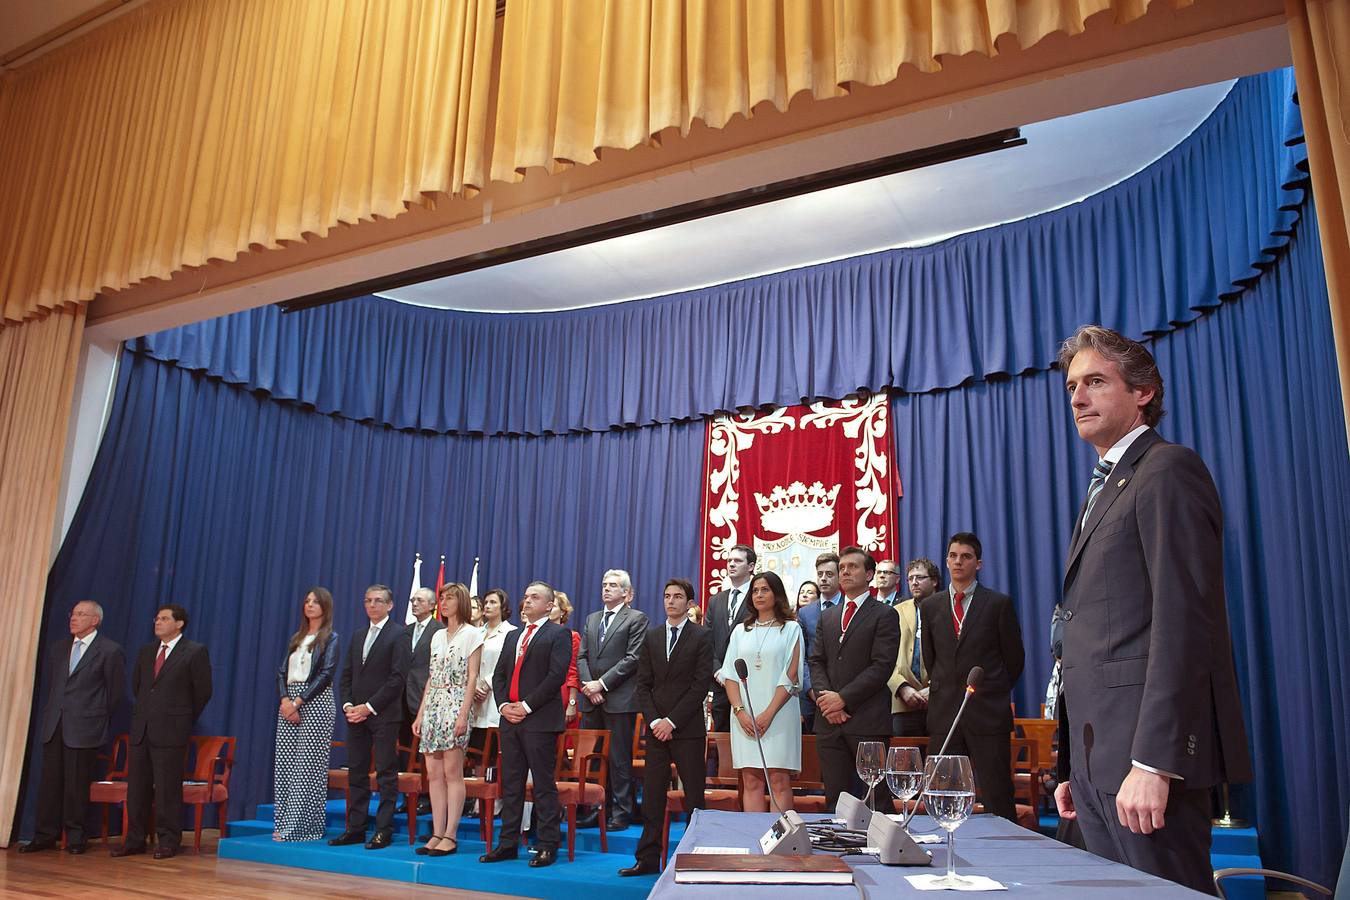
{"points": [[583, 755], [212, 758], [726, 771]]}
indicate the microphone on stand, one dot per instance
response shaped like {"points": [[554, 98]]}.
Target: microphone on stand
{"points": [[743, 673], [972, 682]]}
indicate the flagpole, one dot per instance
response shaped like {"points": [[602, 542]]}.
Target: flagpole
{"points": [[409, 618]]}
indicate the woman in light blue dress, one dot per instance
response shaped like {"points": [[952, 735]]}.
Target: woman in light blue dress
{"points": [[770, 641]]}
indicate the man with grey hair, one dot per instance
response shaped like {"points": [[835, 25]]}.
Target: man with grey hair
{"points": [[1149, 712], [607, 664], [85, 684]]}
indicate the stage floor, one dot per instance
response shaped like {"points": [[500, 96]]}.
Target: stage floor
{"points": [[251, 841]]}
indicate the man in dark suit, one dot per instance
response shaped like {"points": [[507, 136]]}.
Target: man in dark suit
{"points": [[372, 689], [1150, 717], [965, 626], [85, 682], [673, 678], [172, 685], [528, 686], [418, 634], [725, 608], [607, 663], [808, 617], [851, 661]]}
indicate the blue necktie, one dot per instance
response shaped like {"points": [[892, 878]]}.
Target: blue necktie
{"points": [[75, 656], [916, 661], [1100, 473]]}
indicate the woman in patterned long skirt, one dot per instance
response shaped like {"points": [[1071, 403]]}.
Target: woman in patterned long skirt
{"points": [[305, 722], [443, 720]]}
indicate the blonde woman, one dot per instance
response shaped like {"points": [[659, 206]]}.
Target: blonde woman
{"points": [[561, 612], [443, 721]]}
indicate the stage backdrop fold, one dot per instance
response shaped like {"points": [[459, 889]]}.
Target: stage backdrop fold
{"points": [[1146, 255]]}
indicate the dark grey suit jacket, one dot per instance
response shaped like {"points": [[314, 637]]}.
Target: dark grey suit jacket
{"points": [[167, 706], [990, 637], [613, 660], [716, 621], [858, 667], [674, 688], [419, 663], [379, 679], [1148, 661], [83, 701]]}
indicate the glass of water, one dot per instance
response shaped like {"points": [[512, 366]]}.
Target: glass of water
{"points": [[904, 773], [869, 761], [949, 797]]}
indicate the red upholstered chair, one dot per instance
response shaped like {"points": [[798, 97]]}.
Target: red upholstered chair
{"points": [[113, 787], [478, 786], [582, 772], [211, 758], [723, 790]]}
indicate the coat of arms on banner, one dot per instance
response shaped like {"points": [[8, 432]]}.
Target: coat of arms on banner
{"points": [[795, 482]]}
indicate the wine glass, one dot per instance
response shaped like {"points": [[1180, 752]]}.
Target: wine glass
{"points": [[949, 797], [869, 766], [904, 773]]}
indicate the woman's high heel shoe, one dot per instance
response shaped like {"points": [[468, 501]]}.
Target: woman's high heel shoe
{"points": [[425, 849]]}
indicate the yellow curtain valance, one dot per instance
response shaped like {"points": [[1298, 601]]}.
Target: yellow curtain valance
{"points": [[189, 131], [580, 75]]}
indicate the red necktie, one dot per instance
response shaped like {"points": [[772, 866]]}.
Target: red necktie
{"points": [[849, 609], [959, 610], [520, 660], [159, 660]]}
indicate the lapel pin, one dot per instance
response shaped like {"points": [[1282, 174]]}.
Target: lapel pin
{"points": [[1120, 483]]}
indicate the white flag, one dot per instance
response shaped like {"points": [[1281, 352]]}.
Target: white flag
{"points": [[473, 579], [416, 586]]}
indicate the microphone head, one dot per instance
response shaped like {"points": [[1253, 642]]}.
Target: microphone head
{"points": [[974, 678], [742, 671]]}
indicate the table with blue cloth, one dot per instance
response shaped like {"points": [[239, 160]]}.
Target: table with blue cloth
{"points": [[1029, 864]]}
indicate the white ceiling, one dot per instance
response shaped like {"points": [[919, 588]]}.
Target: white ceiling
{"points": [[1064, 161]]}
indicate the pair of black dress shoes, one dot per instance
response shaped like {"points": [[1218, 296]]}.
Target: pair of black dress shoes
{"points": [[161, 851], [39, 846], [378, 842], [544, 856]]}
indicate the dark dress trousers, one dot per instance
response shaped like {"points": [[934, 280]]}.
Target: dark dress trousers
{"points": [[529, 748], [614, 660], [379, 681], [1148, 661], [672, 689], [857, 667], [73, 726], [990, 637], [161, 722], [716, 622]]}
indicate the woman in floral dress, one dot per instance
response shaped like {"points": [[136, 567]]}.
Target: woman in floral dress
{"points": [[443, 720]]}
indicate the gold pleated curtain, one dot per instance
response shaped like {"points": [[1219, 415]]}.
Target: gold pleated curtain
{"points": [[1319, 34], [578, 76], [38, 360], [186, 132]]}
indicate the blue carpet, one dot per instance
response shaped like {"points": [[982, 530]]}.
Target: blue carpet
{"points": [[251, 840]]}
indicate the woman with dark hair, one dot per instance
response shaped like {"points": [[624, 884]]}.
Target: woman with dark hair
{"points": [[476, 611], [770, 641], [305, 722], [561, 612], [808, 592], [496, 626], [443, 721]]}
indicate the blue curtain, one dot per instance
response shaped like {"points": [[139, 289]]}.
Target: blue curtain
{"points": [[1253, 387], [1153, 251], [233, 505]]}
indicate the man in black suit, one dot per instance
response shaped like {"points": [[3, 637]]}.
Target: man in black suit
{"points": [[527, 685], [725, 608], [1150, 717], [85, 682], [673, 678], [418, 634], [372, 700], [851, 662], [965, 626], [808, 617], [172, 685], [607, 663]]}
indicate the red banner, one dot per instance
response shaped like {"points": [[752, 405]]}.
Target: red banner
{"points": [[798, 481]]}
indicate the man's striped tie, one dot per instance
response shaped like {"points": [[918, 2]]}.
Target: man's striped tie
{"points": [[1100, 473]]}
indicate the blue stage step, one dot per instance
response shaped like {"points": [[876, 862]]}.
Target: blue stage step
{"points": [[561, 881]]}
